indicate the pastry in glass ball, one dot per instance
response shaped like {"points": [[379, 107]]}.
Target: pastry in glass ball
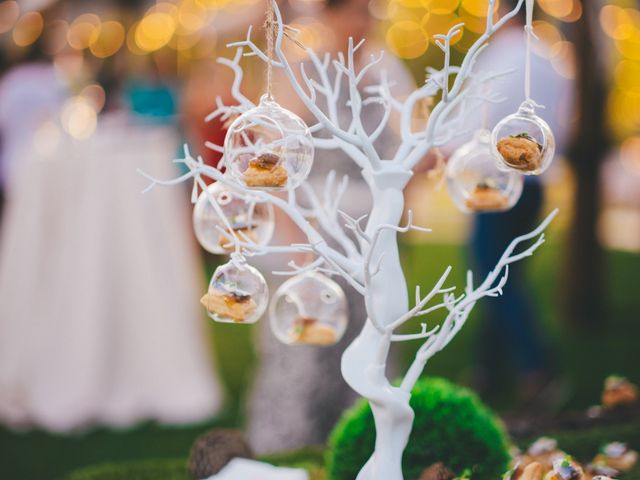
{"points": [[309, 309], [247, 219], [236, 294], [268, 148], [475, 183], [523, 142], [618, 456], [565, 469]]}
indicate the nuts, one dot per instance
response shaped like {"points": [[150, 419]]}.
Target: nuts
{"points": [[520, 151], [486, 198], [234, 305], [309, 331], [265, 171]]}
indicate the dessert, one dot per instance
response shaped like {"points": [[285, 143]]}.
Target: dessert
{"points": [[616, 455], [485, 197], [618, 391], [601, 470], [310, 331], [265, 171], [533, 471], [520, 151], [543, 451], [245, 231], [234, 305], [565, 469]]}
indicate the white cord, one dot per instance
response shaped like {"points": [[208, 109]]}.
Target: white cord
{"points": [[529, 30]]}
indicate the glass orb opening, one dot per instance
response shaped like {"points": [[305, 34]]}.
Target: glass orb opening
{"points": [[474, 181], [269, 148], [523, 142], [248, 219], [309, 309]]}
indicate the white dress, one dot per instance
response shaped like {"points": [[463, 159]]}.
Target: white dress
{"points": [[99, 286]]}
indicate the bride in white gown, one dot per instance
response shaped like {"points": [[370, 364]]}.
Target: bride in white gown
{"points": [[99, 287]]}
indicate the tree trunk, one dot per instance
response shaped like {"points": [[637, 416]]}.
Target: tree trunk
{"points": [[584, 291], [364, 361]]}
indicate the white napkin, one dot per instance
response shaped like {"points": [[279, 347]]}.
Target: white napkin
{"points": [[243, 469]]}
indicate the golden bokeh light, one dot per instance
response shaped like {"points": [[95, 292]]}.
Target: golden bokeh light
{"points": [[28, 29], [407, 39], [557, 8], [9, 14], [478, 8], [95, 95], [154, 31], [84, 31], [434, 24], [471, 22], [110, 38], [441, 7], [191, 16]]}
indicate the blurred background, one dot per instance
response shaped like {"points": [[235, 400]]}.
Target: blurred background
{"points": [[105, 353]]}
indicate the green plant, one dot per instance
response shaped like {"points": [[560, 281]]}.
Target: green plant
{"points": [[451, 426]]}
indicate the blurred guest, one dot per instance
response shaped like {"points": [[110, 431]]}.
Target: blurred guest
{"points": [[511, 323], [299, 392], [99, 285]]}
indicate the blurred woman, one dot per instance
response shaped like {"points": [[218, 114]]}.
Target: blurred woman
{"points": [[99, 285]]}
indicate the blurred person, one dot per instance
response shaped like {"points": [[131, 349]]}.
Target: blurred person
{"points": [[299, 392], [511, 325], [99, 285]]}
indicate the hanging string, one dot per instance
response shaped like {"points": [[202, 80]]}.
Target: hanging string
{"points": [[270, 28], [529, 30]]}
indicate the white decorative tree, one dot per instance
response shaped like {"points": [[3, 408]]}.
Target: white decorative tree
{"points": [[366, 253]]}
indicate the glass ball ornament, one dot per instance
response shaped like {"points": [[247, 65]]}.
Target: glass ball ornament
{"points": [[268, 148], [523, 142], [309, 309], [237, 293], [474, 181], [249, 219]]}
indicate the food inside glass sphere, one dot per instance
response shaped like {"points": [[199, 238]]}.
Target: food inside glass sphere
{"points": [[484, 197], [618, 391], [618, 456], [265, 171], [229, 303], [533, 471], [565, 469], [244, 231], [520, 151], [311, 332]]}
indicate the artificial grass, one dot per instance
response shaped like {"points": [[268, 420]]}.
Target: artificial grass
{"points": [[37, 455], [581, 444], [451, 425]]}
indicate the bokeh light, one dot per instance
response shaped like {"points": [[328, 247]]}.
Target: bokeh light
{"points": [[110, 38], [84, 31], [79, 117], [154, 31], [28, 29], [9, 14], [407, 39]]}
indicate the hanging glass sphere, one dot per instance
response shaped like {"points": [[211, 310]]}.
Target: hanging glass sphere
{"points": [[523, 142], [309, 309], [268, 148], [249, 219], [474, 181], [237, 294]]}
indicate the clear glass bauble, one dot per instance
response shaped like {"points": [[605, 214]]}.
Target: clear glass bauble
{"points": [[250, 220], [309, 309], [523, 142], [237, 294], [474, 181], [268, 148]]}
